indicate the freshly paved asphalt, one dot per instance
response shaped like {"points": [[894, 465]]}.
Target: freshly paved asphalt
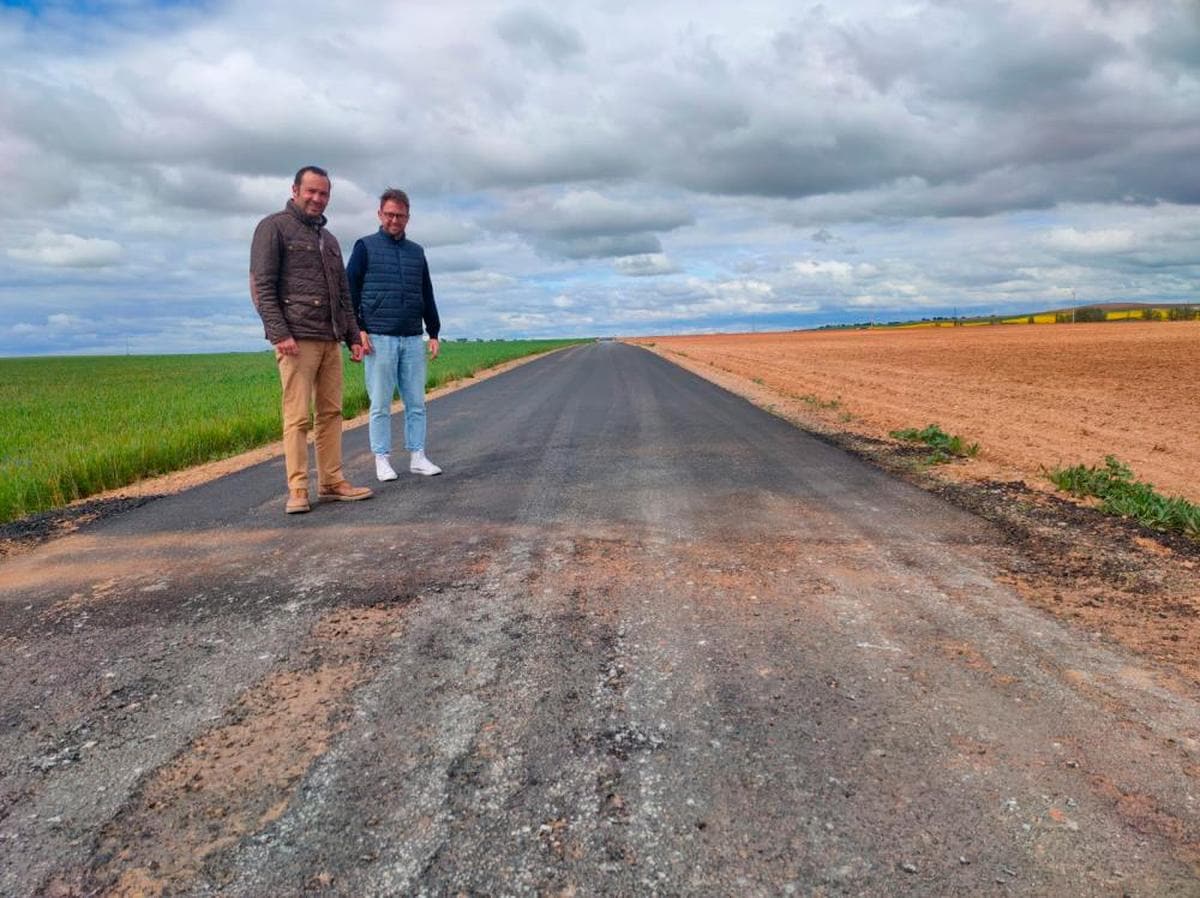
{"points": [[641, 638]]}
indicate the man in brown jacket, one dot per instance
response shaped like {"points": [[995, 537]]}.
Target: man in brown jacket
{"points": [[298, 285]]}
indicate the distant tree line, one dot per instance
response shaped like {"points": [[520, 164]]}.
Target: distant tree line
{"points": [[1065, 316], [1093, 313]]}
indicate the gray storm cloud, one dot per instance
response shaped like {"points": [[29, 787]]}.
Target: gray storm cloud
{"points": [[651, 153]]}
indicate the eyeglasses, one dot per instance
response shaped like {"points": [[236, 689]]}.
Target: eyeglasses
{"points": [[390, 216]]}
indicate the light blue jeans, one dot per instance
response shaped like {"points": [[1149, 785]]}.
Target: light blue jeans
{"points": [[396, 361]]}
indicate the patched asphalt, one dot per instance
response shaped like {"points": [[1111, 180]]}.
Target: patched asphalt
{"points": [[641, 638]]}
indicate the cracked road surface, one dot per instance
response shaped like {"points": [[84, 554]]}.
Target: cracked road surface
{"points": [[641, 638]]}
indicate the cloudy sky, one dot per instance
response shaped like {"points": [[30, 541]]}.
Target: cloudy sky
{"points": [[599, 168]]}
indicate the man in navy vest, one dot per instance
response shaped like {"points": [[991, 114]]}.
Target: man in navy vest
{"points": [[393, 300]]}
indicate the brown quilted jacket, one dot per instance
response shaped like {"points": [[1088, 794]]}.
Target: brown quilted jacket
{"points": [[298, 281]]}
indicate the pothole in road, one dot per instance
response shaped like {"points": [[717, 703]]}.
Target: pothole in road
{"points": [[627, 740]]}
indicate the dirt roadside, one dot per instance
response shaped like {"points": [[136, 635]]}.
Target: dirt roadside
{"points": [[1108, 576]]}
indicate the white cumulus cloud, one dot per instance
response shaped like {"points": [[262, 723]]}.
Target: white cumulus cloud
{"points": [[1107, 240], [68, 251]]}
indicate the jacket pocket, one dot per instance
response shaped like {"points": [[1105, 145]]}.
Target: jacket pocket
{"points": [[307, 315]]}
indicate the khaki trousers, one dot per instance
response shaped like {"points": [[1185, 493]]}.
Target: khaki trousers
{"points": [[313, 378]]}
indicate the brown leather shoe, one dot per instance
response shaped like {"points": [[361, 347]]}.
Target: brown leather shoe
{"points": [[297, 502], [343, 492]]}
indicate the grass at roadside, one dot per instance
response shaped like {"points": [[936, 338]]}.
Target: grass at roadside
{"points": [[78, 426], [945, 447], [1122, 494]]}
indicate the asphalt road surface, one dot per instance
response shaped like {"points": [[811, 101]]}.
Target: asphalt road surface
{"points": [[641, 638]]}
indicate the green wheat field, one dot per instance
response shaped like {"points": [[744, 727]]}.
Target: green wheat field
{"points": [[76, 426]]}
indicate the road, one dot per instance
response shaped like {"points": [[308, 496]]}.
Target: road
{"points": [[640, 639]]}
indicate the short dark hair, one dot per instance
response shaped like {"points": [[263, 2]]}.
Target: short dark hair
{"points": [[315, 169], [394, 195]]}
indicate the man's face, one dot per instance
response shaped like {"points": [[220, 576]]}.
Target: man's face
{"points": [[311, 195], [394, 217]]}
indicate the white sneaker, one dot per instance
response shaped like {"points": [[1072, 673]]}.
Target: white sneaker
{"points": [[421, 465], [384, 469]]}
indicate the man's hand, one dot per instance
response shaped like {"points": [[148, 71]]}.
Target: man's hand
{"points": [[434, 346], [357, 351], [366, 342], [287, 347]]}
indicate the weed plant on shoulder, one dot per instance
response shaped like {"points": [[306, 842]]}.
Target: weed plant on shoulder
{"points": [[945, 447], [1120, 493]]}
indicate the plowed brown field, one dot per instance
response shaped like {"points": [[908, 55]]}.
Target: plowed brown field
{"points": [[1032, 396]]}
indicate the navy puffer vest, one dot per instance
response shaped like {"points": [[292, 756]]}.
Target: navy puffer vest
{"points": [[392, 296]]}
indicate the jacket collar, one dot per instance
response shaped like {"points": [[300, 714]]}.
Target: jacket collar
{"points": [[384, 233], [313, 221]]}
